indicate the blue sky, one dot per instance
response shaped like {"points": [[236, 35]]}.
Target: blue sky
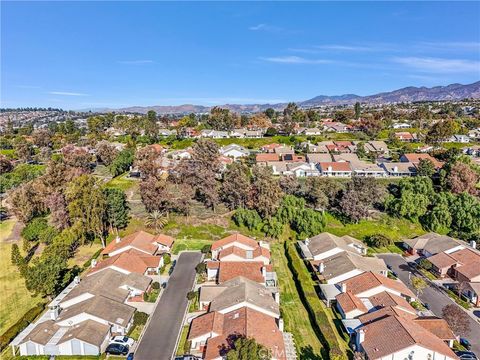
{"points": [[78, 55]]}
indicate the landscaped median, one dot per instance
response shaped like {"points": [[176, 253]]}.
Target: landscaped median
{"points": [[321, 319]]}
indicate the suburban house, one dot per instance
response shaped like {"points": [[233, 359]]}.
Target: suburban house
{"points": [[237, 293], [335, 169], [212, 334], [81, 319], [345, 265], [214, 134], [391, 335], [140, 241], [315, 158], [401, 126], [236, 253], [463, 266], [376, 146], [257, 271], [399, 168], [264, 158], [234, 151], [370, 292], [405, 136], [431, 244], [237, 241], [324, 245], [312, 131], [415, 158], [270, 148], [362, 168], [464, 139], [130, 261]]}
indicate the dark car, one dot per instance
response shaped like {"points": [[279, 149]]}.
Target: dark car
{"points": [[466, 355], [465, 343], [130, 356], [116, 349], [427, 306]]}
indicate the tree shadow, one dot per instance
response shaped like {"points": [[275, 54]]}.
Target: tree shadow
{"points": [[307, 353]]}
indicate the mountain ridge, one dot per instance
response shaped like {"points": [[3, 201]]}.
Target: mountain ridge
{"points": [[454, 91]]}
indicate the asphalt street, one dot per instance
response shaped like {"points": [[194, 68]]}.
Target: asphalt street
{"points": [[160, 337], [432, 295]]}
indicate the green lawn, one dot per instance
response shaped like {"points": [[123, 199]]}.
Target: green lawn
{"points": [[293, 312], [183, 342], [15, 300], [84, 253], [123, 182], [395, 228]]}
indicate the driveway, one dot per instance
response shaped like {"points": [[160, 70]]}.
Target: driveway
{"points": [[159, 339], [431, 295]]}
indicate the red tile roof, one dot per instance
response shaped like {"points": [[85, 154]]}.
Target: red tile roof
{"points": [[438, 327], [231, 269], [267, 157], [259, 251], [242, 322], [245, 240], [369, 280], [140, 240], [415, 159], [131, 261], [349, 302], [336, 166]]}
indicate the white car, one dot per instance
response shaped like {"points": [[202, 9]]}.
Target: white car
{"points": [[123, 340]]}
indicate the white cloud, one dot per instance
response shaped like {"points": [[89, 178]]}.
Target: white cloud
{"points": [[135, 62], [67, 93], [439, 65], [339, 47], [467, 46], [295, 60], [265, 27]]}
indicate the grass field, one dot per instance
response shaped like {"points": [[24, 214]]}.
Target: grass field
{"points": [[15, 300], [293, 312], [84, 253], [182, 341], [123, 182], [394, 228]]}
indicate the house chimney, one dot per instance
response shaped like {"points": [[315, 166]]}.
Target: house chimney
{"points": [[321, 268], [344, 287], [329, 169], [307, 241], [395, 169], [76, 280], [93, 263], [264, 271], [54, 311], [280, 324], [276, 296], [117, 239], [360, 337], [473, 244]]}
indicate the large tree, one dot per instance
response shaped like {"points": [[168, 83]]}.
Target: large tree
{"points": [[116, 208], [359, 196], [236, 185], [200, 172], [77, 157], [106, 152], [86, 206], [148, 160], [425, 168], [26, 202], [266, 192], [462, 178]]}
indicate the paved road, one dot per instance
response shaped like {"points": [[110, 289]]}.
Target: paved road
{"points": [[431, 295], [158, 341]]}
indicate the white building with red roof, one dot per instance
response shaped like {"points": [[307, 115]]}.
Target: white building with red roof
{"points": [[140, 241]]}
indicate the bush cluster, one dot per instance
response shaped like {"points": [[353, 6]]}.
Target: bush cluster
{"points": [[21, 324]]}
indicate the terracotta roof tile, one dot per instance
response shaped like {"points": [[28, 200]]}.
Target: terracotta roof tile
{"points": [[139, 240], [369, 280], [245, 240], [350, 302], [231, 269], [336, 166]]}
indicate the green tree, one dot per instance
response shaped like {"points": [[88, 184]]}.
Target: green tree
{"points": [[34, 228], [44, 276], [122, 162], [266, 192], [117, 208], [438, 218], [87, 206], [358, 110], [425, 168], [359, 197], [248, 349], [156, 220], [379, 241], [16, 257], [308, 222], [465, 212], [418, 284], [248, 218], [412, 197], [236, 185]]}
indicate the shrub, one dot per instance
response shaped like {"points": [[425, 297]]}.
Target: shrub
{"points": [[167, 259], [191, 295], [379, 241], [89, 261], [140, 318], [206, 249], [272, 227], [427, 265], [21, 324], [34, 228], [248, 218], [145, 296], [156, 285], [308, 222], [201, 268]]}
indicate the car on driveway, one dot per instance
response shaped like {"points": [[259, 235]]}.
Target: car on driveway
{"points": [[465, 343], [466, 355], [116, 349], [122, 340], [187, 357]]}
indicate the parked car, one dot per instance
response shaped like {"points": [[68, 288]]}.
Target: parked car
{"points": [[130, 356], [465, 343], [164, 285], [116, 349], [466, 355], [187, 357], [123, 340], [427, 306]]}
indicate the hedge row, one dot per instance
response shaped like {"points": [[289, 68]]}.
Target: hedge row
{"points": [[21, 324], [315, 308]]}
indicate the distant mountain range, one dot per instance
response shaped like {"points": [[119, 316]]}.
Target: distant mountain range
{"points": [[408, 94]]}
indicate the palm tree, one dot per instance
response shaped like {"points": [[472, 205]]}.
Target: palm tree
{"points": [[156, 220]]}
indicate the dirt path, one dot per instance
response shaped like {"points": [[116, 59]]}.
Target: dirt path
{"points": [[16, 231]]}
